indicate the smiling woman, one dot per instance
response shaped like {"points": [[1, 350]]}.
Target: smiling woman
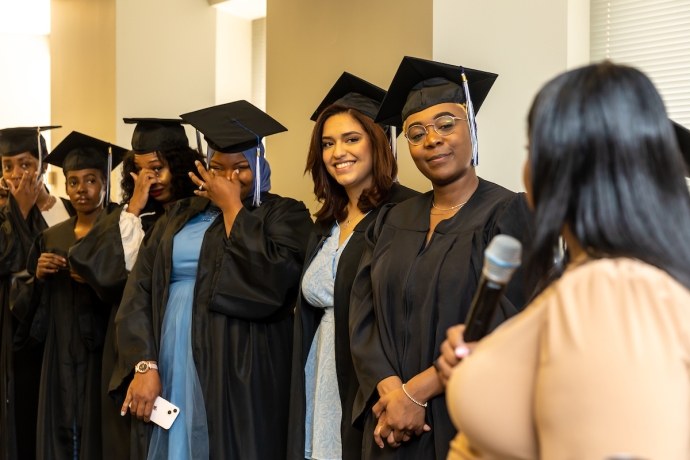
{"points": [[452, 162], [350, 162], [433, 245], [354, 173]]}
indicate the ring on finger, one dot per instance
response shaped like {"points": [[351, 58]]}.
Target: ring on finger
{"points": [[201, 187]]}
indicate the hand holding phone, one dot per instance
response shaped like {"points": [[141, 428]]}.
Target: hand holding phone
{"points": [[164, 413]]}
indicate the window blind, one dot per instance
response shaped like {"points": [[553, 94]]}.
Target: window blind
{"points": [[652, 35]]}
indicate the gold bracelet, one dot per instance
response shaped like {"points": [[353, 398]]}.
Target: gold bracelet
{"points": [[412, 399]]}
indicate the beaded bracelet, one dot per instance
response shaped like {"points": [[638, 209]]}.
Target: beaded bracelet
{"points": [[412, 399]]}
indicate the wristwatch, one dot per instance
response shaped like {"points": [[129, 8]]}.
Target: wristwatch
{"points": [[143, 367]]}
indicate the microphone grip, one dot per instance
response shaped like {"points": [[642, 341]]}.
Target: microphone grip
{"points": [[483, 310]]}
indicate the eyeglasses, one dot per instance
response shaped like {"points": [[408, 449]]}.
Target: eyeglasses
{"points": [[443, 126]]}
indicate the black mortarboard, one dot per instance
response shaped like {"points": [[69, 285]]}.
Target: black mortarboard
{"points": [[419, 84], [79, 151], [14, 141], [683, 136], [355, 93], [156, 134], [233, 127]]}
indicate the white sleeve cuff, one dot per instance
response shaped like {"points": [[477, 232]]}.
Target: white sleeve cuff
{"points": [[132, 233]]}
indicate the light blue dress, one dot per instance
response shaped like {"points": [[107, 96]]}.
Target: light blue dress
{"points": [[187, 439], [324, 413]]}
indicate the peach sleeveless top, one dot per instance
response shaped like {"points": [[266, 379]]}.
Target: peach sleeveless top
{"points": [[597, 365]]}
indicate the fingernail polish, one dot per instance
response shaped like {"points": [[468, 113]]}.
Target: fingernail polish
{"points": [[461, 352]]}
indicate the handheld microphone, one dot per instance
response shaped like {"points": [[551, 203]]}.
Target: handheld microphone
{"points": [[501, 258]]}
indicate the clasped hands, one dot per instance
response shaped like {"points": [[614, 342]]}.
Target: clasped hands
{"points": [[399, 418], [49, 264]]}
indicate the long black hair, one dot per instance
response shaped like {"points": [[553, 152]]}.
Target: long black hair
{"points": [[180, 161], [605, 161]]}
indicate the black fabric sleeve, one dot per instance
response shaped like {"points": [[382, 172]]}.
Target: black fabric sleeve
{"points": [[261, 262], [16, 236], [29, 303], [9, 242], [99, 258], [134, 319], [368, 355]]}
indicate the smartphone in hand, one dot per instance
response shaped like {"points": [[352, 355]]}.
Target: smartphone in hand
{"points": [[164, 413]]}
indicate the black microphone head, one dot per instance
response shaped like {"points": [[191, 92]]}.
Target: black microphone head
{"points": [[502, 258]]}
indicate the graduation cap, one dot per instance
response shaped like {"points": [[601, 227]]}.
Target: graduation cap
{"points": [[683, 136], [354, 93], [235, 127], [419, 84], [79, 151], [14, 141], [156, 134]]}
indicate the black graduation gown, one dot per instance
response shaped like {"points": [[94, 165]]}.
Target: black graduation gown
{"points": [[70, 319], [406, 295], [100, 260], [307, 319], [20, 371], [242, 318]]}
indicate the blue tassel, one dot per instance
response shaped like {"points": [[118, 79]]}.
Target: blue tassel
{"points": [[40, 157], [209, 155], [201, 151], [257, 180], [471, 121], [256, 201], [110, 170]]}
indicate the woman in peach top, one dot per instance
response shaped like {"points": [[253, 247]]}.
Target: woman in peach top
{"points": [[599, 364]]}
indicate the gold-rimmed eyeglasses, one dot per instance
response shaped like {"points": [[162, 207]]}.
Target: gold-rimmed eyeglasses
{"points": [[443, 125]]}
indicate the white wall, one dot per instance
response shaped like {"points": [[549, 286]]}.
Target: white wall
{"points": [[233, 58], [166, 54], [25, 83], [24, 80], [25, 17], [527, 43], [240, 59], [259, 63], [578, 33]]}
